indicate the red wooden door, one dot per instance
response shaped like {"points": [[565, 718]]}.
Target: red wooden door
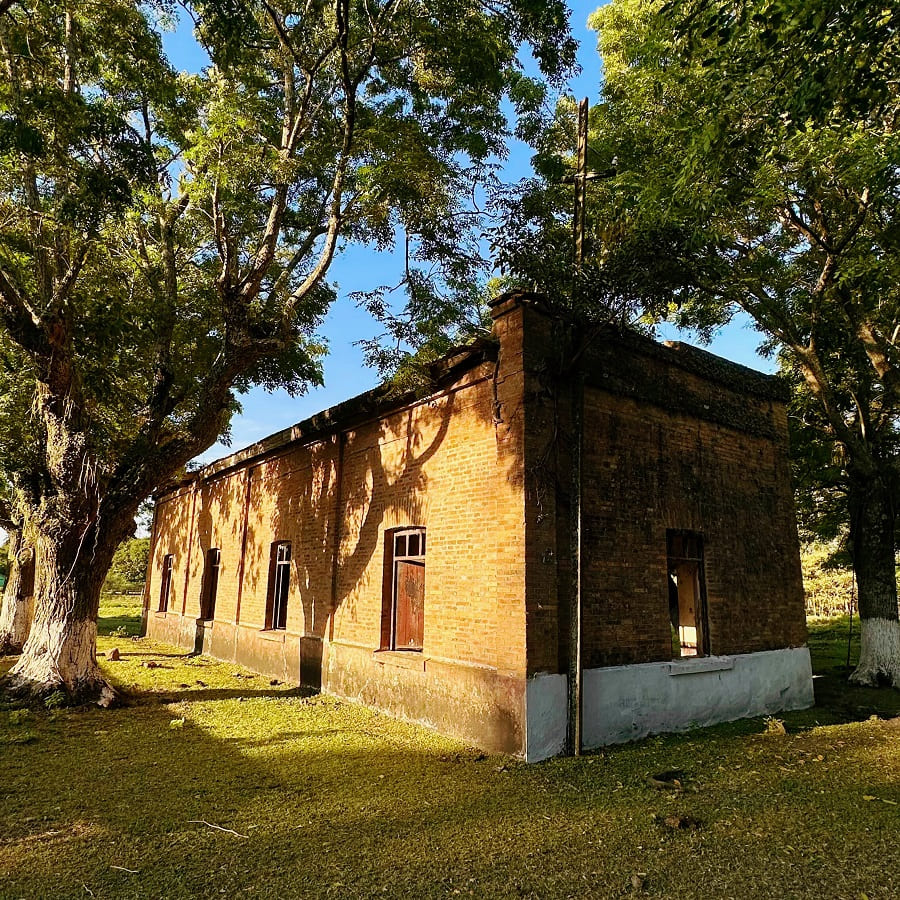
{"points": [[410, 605]]}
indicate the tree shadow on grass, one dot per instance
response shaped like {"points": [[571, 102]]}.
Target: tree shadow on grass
{"points": [[127, 804], [846, 702], [832, 643], [131, 697], [122, 625], [248, 790], [319, 799]]}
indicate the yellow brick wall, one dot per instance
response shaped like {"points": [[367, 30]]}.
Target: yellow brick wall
{"points": [[442, 463]]}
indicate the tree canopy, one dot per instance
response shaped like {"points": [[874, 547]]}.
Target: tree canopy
{"points": [[129, 565]]}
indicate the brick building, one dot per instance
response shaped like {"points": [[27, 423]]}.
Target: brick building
{"points": [[417, 554]]}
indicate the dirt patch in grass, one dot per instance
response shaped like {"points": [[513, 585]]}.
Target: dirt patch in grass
{"points": [[216, 783]]}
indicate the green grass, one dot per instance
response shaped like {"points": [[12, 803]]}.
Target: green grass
{"points": [[120, 615], [329, 799], [836, 701]]}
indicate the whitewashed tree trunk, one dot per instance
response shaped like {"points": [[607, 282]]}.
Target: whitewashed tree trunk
{"points": [[879, 661], [872, 521], [16, 606], [61, 651]]}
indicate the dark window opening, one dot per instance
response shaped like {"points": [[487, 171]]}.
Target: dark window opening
{"points": [[279, 585], [403, 602], [210, 584], [165, 588], [687, 594]]}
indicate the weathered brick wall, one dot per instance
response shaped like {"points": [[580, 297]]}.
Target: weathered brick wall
{"points": [[172, 525], [452, 464], [692, 454], [291, 497], [217, 510], [446, 466], [542, 356], [675, 438]]}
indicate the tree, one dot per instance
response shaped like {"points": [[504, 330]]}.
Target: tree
{"points": [[16, 602], [15, 607], [165, 238], [754, 145], [18, 452]]}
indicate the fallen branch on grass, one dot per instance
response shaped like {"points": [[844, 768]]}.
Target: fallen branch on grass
{"points": [[217, 827]]}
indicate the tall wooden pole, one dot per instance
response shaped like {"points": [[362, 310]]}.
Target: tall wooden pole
{"points": [[577, 389], [580, 183]]}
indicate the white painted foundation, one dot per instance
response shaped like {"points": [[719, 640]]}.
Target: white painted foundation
{"points": [[624, 703], [546, 708]]}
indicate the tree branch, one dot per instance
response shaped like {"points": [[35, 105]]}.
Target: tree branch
{"points": [[857, 223], [790, 218], [335, 218], [817, 381], [65, 285], [299, 254], [224, 242], [19, 320]]}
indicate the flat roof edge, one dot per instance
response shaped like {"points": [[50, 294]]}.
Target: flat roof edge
{"points": [[731, 374], [353, 411], [700, 362]]}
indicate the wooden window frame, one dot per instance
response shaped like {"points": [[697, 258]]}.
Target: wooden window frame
{"points": [[690, 555], [209, 588], [165, 587], [393, 538], [279, 588]]}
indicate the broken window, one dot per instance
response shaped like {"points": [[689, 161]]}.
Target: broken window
{"points": [[210, 584], [403, 603], [279, 585], [687, 594], [165, 588]]}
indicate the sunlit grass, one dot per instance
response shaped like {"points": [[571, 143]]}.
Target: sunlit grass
{"points": [[120, 615], [324, 798]]}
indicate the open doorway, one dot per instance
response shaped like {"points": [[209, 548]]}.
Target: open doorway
{"points": [[687, 594]]}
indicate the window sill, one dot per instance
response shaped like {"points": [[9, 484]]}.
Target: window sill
{"points": [[701, 664], [160, 613], [402, 659], [272, 634]]}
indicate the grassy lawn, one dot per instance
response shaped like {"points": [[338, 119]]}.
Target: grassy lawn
{"points": [[322, 798]]}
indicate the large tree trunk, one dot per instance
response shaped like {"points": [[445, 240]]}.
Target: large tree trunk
{"points": [[872, 520], [15, 612], [61, 651]]}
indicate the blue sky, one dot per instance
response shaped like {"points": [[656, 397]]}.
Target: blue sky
{"points": [[360, 268]]}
